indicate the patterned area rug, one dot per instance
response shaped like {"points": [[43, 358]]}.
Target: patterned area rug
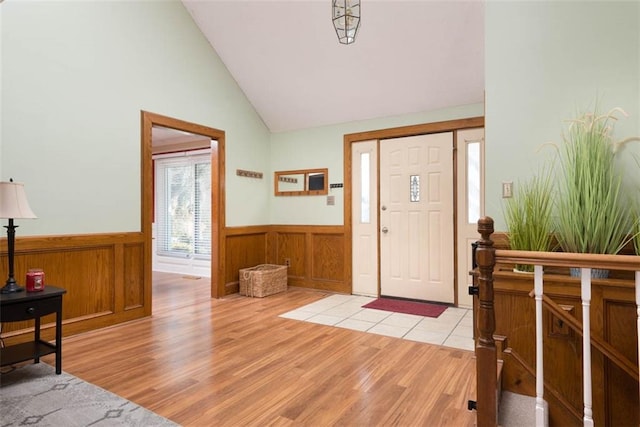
{"points": [[34, 395], [407, 307]]}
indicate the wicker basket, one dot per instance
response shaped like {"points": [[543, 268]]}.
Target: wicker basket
{"points": [[263, 280]]}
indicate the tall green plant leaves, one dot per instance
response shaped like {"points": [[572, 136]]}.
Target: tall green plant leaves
{"points": [[636, 238], [529, 215], [592, 217]]}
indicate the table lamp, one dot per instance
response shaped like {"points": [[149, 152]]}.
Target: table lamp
{"points": [[13, 205]]}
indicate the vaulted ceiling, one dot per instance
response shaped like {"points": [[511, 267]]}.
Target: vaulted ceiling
{"points": [[408, 57]]}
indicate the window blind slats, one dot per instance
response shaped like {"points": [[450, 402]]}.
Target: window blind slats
{"points": [[183, 206]]}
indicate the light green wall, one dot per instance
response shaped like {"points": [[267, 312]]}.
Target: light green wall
{"points": [[543, 62], [75, 76], [323, 147]]}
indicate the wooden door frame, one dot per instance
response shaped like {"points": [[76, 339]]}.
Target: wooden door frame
{"points": [[217, 196], [380, 135]]}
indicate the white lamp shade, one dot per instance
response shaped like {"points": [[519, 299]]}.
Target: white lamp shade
{"points": [[13, 201]]}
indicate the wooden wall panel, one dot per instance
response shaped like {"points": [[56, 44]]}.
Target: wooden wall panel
{"points": [[315, 254], [133, 272], [87, 274], [244, 247], [106, 280], [620, 388], [327, 260], [292, 247], [613, 316], [102, 274]]}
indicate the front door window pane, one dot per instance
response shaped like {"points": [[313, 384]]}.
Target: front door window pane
{"points": [[473, 182], [414, 188], [365, 188]]}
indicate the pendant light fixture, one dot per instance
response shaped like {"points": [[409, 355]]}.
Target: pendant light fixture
{"points": [[346, 19]]}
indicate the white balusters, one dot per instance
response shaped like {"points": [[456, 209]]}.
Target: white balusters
{"points": [[586, 345], [538, 290]]}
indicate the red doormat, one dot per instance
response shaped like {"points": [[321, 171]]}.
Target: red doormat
{"points": [[407, 307]]}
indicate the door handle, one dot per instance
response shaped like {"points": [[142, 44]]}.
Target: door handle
{"points": [[385, 230]]}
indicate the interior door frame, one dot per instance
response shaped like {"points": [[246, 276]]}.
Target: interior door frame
{"points": [[381, 135], [148, 120]]}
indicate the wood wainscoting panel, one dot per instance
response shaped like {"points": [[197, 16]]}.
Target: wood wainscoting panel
{"points": [[86, 273], [244, 247], [327, 261], [621, 397], [291, 247], [315, 253], [515, 319], [613, 318], [133, 273], [102, 274]]}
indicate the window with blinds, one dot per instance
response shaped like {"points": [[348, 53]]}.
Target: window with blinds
{"points": [[183, 206]]}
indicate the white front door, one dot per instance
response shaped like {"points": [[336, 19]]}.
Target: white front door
{"points": [[416, 217]]}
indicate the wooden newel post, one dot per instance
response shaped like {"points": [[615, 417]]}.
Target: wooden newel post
{"points": [[486, 357]]}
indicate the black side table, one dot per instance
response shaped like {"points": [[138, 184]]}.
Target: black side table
{"points": [[20, 306]]}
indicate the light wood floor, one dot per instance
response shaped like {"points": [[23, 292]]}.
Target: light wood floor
{"points": [[234, 362]]}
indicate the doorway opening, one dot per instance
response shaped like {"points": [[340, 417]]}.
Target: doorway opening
{"points": [[216, 139], [365, 246], [182, 203]]}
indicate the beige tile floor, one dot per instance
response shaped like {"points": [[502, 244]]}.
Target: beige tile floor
{"points": [[453, 328]]}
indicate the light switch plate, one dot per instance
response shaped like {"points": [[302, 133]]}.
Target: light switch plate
{"points": [[507, 190]]}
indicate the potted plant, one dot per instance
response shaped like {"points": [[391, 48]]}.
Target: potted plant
{"points": [[593, 216], [636, 238], [528, 215]]}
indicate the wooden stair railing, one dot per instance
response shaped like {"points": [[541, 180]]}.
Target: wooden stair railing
{"points": [[596, 341], [522, 364], [486, 356], [486, 257]]}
